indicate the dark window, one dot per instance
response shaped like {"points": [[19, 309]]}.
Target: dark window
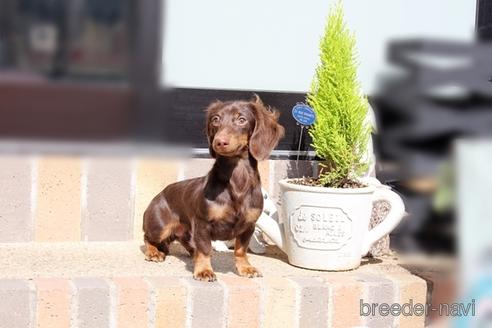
{"points": [[66, 39], [484, 20], [89, 70]]}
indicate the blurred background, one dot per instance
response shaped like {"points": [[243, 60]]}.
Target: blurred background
{"points": [[117, 71]]}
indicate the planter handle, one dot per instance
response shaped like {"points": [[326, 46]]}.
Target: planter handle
{"points": [[396, 213], [272, 229]]}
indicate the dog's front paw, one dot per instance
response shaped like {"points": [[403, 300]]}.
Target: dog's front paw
{"points": [[248, 271], [205, 275], [155, 256]]}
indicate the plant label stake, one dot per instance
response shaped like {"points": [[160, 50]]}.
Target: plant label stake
{"points": [[305, 117]]}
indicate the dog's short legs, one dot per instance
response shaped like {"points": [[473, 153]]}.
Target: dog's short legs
{"points": [[188, 248], [243, 267], [203, 268], [202, 257], [185, 240], [155, 252], [159, 233]]}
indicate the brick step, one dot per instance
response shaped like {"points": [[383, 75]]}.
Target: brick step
{"points": [[107, 284], [46, 198]]}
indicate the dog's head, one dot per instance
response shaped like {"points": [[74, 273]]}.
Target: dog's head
{"points": [[236, 127]]}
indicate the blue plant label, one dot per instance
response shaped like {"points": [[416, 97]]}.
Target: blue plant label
{"points": [[303, 114]]}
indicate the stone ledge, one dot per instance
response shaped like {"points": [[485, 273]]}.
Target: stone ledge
{"points": [[95, 284], [49, 147]]}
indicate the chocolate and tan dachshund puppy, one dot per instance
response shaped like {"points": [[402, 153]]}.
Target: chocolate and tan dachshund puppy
{"points": [[225, 203]]}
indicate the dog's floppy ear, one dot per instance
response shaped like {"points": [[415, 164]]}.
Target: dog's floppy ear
{"points": [[211, 109], [267, 131]]}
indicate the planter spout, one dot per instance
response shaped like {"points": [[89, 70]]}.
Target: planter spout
{"points": [[272, 229]]}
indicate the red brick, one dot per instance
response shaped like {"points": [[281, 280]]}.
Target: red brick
{"points": [[109, 200], [93, 299], [53, 303], [313, 303], [346, 293], [279, 308], [16, 223], [243, 308], [132, 302], [16, 304], [170, 297], [207, 304]]}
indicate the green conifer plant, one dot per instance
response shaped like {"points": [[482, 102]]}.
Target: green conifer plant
{"points": [[340, 134]]}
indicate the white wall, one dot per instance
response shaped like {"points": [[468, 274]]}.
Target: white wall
{"points": [[273, 44]]}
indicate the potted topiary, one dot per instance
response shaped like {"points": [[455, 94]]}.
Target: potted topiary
{"points": [[326, 218]]}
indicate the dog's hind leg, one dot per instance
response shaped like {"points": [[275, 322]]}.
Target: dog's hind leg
{"points": [[159, 227], [185, 240], [155, 253]]}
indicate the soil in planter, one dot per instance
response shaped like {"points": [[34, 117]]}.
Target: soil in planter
{"points": [[312, 182]]}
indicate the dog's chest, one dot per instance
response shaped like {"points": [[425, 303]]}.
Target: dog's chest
{"points": [[230, 209], [228, 218]]}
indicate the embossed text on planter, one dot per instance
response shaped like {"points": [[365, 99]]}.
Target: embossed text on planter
{"points": [[325, 228]]}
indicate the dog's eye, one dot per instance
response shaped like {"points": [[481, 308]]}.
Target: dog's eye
{"points": [[215, 120], [241, 120]]}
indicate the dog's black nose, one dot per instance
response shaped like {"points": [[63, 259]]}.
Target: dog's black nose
{"points": [[222, 142]]}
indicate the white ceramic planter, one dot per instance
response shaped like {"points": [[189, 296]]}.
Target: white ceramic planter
{"points": [[328, 228]]}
